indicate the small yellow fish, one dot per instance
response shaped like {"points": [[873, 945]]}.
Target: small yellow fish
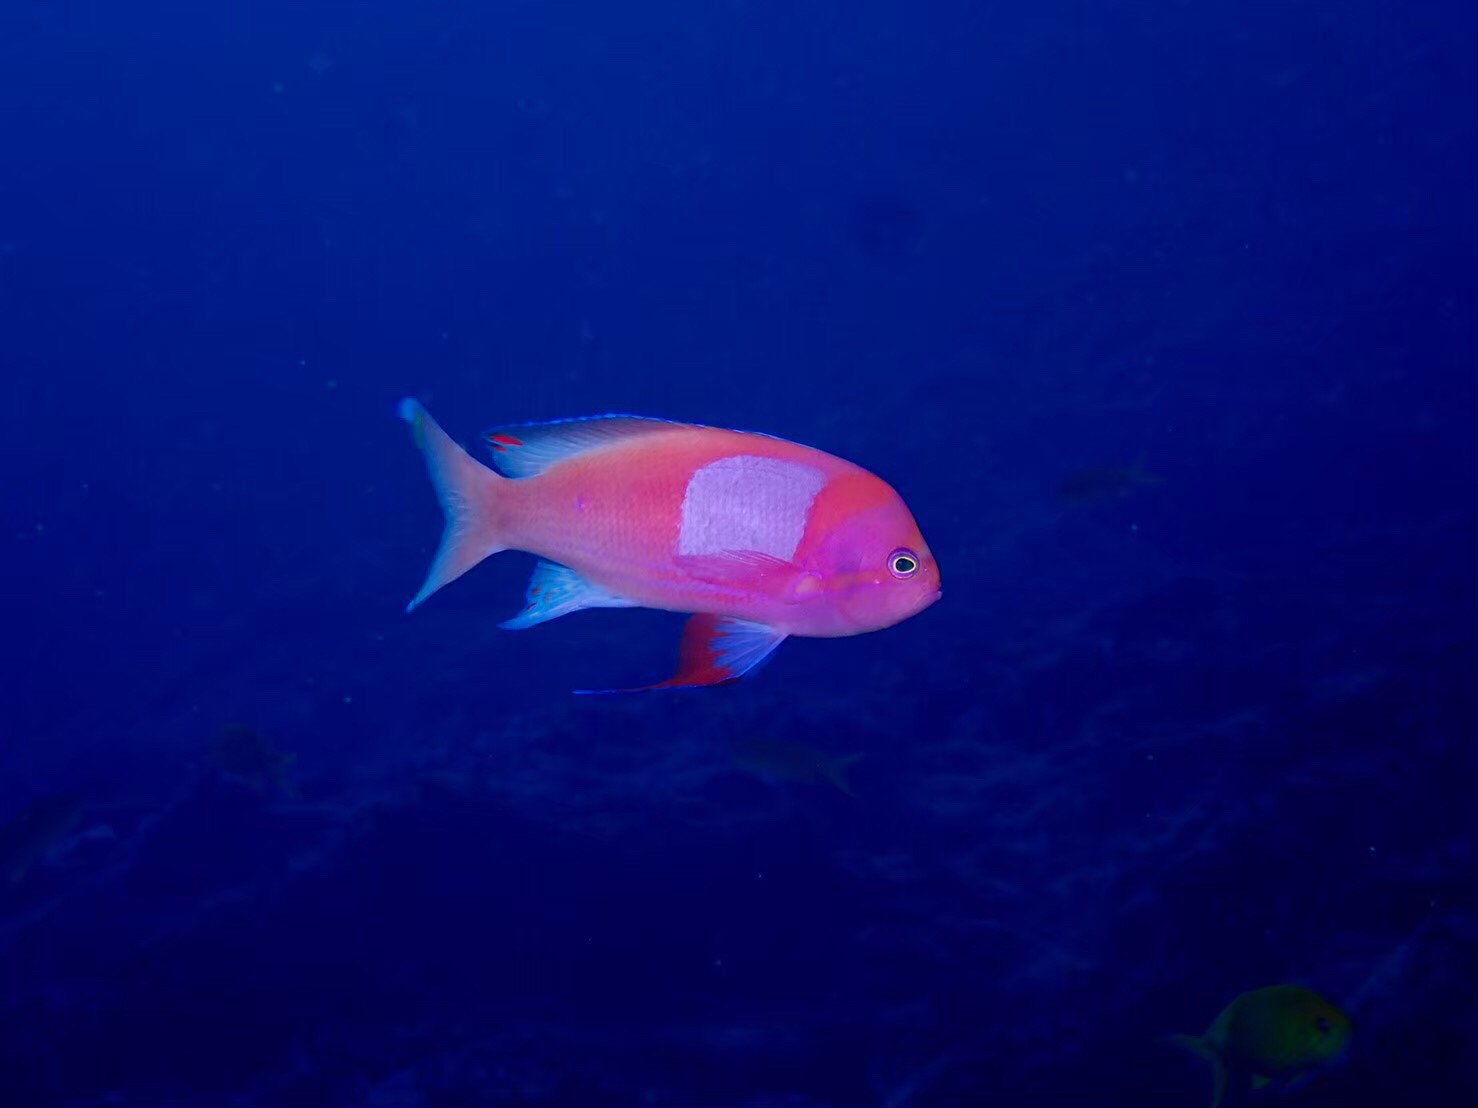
{"points": [[243, 753], [33, 833], [785, 761], [1281, 1034]]}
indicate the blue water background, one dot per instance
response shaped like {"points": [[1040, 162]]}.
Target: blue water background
{"points": [[1155, 746]]}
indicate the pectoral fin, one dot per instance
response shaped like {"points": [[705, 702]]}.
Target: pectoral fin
{"points": [[736, 568]]}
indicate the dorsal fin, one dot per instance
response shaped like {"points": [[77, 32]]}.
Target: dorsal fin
{"points": [[525, 449]]}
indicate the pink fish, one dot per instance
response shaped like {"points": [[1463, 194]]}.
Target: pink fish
{"points": [[760, 538]]}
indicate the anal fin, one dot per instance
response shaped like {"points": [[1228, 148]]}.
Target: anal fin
{"points": [[556, 590], [715, 651]]}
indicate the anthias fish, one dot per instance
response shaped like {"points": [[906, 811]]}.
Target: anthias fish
{"points": [[759, 538]]}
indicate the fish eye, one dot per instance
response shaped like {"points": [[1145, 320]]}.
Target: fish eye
{"points": [[903, 563], [1324, 1026]]}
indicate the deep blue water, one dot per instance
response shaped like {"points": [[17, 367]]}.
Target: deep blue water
{"points": [[1160, 743]]}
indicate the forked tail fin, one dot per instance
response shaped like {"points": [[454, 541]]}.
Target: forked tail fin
{"points": [[469, 492]]}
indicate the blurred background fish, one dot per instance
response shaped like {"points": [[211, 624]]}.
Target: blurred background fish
{"points": [[1278, 1035], [1084, 486], [35, 832], [780, 760], [244, 754]]}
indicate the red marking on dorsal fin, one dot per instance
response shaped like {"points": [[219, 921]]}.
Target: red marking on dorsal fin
{"points": [[527, 449]]}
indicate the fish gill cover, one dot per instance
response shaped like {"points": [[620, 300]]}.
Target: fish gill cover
{"points": [[1158, 317]]}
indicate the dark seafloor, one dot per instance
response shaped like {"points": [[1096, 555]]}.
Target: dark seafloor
{"points": [[1161, 317]]}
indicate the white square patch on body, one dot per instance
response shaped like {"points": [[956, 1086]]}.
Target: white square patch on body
{"points": [[748, 503]]}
